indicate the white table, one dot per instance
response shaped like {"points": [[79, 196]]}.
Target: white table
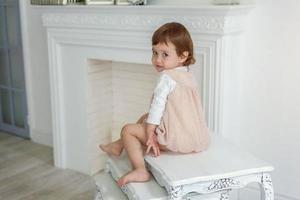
{"points": [[221, 168], [208, 175]]}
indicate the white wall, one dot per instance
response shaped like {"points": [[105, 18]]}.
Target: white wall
{"points": [[36, 73], [269, 77], [270, 94]]}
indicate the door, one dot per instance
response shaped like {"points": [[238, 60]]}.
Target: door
{"points": [[13, 106]]}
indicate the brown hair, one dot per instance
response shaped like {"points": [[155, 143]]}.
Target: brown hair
{"points": [[179, 36]]}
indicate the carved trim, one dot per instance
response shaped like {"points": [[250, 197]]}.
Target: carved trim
{"points": [[223, 183], [224, 186], [210, 187], [212, 20]]}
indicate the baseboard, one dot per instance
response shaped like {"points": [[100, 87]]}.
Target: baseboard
{"points": [[41, 137], [251, 192]]}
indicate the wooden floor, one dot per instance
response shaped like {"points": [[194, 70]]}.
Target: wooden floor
{"points": [[27, 173]]}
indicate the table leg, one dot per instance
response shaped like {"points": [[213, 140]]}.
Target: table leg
{"points": [[224, 195], [175, 193], [266, 185], [99, 195]]}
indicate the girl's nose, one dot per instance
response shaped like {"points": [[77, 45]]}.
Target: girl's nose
{"points": [[158, 60]]}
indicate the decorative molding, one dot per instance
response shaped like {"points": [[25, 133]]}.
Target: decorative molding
{"points": [[202, 24], [211, 20], [223, 184], [59, 149]]}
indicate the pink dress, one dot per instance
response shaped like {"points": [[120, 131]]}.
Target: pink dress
{"points": [[183, 128]]}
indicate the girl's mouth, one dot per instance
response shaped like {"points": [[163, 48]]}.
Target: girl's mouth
{"points": [[159, 67]]}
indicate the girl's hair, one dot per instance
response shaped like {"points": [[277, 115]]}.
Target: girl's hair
{"points": [[179, 36]]}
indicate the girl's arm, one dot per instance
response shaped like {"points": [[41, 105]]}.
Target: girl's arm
{"points": [[163, 88], [142, 118]]}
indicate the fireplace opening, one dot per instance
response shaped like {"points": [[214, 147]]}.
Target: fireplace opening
{"points": [[117, 93]]}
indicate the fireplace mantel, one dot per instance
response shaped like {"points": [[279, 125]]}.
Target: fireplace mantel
{"points": [[201, 19], [122, 34]]}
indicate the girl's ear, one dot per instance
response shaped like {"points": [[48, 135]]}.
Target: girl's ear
{"points": [[184, 56]]}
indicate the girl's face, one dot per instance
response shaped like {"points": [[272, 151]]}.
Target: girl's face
{"points": [[165, 57]]}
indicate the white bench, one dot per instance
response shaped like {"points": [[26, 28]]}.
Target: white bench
{"points": [[107, 188], [207, 175]]}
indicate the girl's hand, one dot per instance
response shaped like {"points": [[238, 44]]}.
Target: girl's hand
{"points": [[153, 144], [142, 118]]}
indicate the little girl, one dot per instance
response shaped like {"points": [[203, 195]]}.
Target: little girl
{"points": [[175, 121]]}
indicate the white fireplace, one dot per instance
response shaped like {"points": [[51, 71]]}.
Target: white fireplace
{"points": [[101, 75]]}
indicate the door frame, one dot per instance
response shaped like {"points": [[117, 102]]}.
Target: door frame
{"points": [[23, 132]]}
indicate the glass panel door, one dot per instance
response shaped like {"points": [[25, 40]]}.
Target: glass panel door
{"points": [[13, 106]]}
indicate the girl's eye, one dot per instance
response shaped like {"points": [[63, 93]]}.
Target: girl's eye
{"points": [[165, 55], [154, 53]]}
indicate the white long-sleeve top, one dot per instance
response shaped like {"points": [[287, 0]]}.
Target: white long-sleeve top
{"points": [[165, 85]]}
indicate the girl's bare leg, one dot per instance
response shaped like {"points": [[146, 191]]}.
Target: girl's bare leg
{"points": [[133, 137], [114, 148]]}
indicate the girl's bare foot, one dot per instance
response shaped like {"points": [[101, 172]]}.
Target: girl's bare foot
{"points": [[137, 175], [114, 148]]}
